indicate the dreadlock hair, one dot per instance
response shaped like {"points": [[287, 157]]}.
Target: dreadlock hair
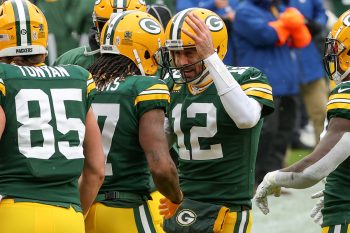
{"points": [[109, 66]]}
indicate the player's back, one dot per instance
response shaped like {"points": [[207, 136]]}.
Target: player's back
{"points": [[118, 108], [41, 154]]}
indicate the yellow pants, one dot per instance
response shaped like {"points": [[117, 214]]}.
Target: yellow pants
{"points": [[153, 207], [30, 217], [341, 228], [105, 219], [238, 222]]}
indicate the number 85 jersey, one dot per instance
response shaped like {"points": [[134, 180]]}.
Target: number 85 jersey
{"points": [[216, 158], [41, 154]]}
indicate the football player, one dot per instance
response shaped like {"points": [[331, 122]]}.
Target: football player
{"points": [[330, 157], [130, 108], [49, 135], [215, 115], [86, 55]]}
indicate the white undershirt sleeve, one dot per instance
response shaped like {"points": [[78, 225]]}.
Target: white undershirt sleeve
{"points": [[317, 171], [243, 110], [169, 133]]}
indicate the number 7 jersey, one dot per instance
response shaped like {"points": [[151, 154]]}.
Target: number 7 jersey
{"points": [[217, 159], [41, 154]]}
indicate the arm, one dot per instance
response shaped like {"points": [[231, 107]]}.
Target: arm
{"points": [[93, 172], [332, 150], [2, 121], [244, 111], [154, 144]]}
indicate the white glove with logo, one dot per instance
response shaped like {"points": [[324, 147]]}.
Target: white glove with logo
{"points": [[316, 213], [266, 187]]}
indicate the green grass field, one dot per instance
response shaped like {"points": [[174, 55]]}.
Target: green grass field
{"points": [[289, 213]]}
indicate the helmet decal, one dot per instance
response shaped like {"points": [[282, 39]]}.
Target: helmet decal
{"points": [[346, 20], [150, 26], [214, 23]]}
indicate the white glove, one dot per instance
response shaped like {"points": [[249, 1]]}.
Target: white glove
{"points": [[266, 187], [316, 213]]}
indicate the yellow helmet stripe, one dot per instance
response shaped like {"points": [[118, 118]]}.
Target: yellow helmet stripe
{"points": [[22, 18], [179, 19]]}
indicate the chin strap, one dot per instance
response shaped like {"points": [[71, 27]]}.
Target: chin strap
{"points": [[138, 60], [339, 77]]}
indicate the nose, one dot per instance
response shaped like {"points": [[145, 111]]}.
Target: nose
{"points": [[181, 58]]}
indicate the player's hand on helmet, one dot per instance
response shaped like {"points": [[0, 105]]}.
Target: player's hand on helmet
{"points": [[316, 213], [168, 208], [265, 188], [201, 36]]}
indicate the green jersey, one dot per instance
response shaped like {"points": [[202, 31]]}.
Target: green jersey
{"points": [[41, 154], [118, 108], [337, 189], [81, 56], [216, 158]]}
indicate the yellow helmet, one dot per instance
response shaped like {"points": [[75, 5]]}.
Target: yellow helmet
{"points": [[136, 35], [175, 39], [23, 29], [337, 49], [104, 8]]}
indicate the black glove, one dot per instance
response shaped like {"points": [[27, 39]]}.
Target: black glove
{"points": [[314, 27]]}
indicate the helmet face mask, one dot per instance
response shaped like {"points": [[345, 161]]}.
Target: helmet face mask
{"points": [[20, 36], [136, 35], [336, 58], [177, 41], [333, 48]]}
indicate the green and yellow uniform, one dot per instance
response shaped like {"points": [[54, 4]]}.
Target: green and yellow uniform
{"points": [[41, 155], [336, 209], [216, 158], [124, 193]]}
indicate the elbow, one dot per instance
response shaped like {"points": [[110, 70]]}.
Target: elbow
{"points": [[99, 175], [246, 122]]}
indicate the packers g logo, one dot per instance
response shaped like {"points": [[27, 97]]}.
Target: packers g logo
{"points": [[214, 23], [150, 26], [186, 217], [346, 20]]}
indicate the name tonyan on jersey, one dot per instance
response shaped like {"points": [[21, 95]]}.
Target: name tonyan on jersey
{"points": [[44, 71]]}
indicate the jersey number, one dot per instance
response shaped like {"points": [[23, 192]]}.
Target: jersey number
{"points": [[111, 112], [196, 132], [42, 122]]}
